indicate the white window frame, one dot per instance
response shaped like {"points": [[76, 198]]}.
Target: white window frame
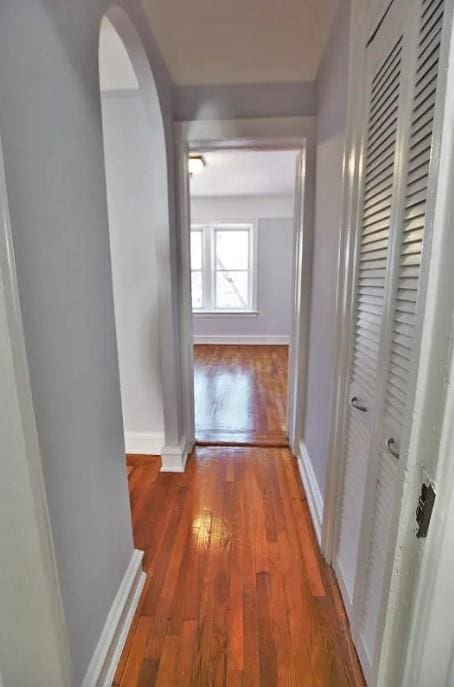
{"points": [[201, 230], [209, 230]]}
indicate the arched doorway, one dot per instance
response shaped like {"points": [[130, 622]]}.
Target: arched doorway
{"points": [[138, 207]]}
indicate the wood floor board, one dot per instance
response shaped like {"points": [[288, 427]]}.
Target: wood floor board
{"points": [[237, 591], [240, 395]]}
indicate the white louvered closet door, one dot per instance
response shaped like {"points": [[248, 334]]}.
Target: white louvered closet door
{"points": [[400, 346], [384, 63]]}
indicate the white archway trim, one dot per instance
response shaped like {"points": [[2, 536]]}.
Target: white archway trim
{"points": [[177, 444]]}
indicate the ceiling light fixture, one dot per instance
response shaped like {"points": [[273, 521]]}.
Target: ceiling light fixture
{"points": [[196, 164]]}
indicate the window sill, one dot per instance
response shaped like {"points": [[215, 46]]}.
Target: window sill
{"points": [[225, 313]]}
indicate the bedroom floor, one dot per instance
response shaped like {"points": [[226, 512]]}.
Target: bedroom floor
{"points": [[241, 394]]}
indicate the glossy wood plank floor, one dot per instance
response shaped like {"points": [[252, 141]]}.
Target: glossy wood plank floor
{"points": [[241, 394], [237, 593]]}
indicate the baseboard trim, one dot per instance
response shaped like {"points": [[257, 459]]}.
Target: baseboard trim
{"points": [[313, 493], [342, 587], [364, 659], [101, 670], [174, 457], [144, 443], [244, 340]]}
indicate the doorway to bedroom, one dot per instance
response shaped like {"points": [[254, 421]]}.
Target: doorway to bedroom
{"points": [[242, 277]]}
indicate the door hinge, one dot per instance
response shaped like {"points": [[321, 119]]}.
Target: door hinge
{"points": [[424, 509]]}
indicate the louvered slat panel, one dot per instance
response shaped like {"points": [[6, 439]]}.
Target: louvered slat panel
{"points": [[379, 174], [420, 144], [377, 199], [357, 446], [378, 545]]}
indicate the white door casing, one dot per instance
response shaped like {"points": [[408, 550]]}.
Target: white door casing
{"points": [[295, 133]]}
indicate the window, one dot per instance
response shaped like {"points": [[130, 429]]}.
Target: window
{"points": [[223, 268]]}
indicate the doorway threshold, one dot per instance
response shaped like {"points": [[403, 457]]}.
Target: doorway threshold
{"points": [[241, 439]]}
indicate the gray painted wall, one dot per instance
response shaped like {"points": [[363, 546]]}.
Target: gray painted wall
{"points": [[33, 649], [331, 123], [131, 194], [244, 100], [275, 227], [50, 120]]}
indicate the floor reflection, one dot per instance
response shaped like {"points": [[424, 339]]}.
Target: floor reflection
{"points": [[224, 401], [240, 390]]}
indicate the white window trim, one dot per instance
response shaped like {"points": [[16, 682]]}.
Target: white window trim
{"points": [[225, 313], [208, 248]]}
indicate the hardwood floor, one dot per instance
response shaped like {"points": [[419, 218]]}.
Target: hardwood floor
{"points": [[240, 395], [237, 593]]}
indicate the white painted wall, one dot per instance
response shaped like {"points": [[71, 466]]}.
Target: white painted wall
{"points": [[131, 192], [116, 72], [203, 209], [228, 101], [331, 123], [275, 227]]}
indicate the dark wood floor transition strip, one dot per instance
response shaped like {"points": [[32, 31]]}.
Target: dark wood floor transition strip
{"points": [[242, 439]]}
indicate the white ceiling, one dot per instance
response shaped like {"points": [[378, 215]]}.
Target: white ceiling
{"points": [[241, 41], [246, 173]]}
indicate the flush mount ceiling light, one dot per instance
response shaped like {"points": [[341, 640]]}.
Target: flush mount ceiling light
{"points": [[196, 164]]}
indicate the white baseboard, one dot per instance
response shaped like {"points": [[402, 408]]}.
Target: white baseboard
{"points": [[348, 605], [174, 457], [101, 670], [343, 587], [313, 493], [145, 443], [244, 340]]}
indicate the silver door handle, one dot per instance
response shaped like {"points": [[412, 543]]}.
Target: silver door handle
{"points": [[355, 403], [389, 447]]}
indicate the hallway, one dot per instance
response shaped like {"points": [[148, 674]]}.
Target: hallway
{"points": [[226, 362], [241, 394], [237, 593]]}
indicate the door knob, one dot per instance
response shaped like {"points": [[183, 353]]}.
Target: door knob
{"points": [[389, 445], [356, 403]]}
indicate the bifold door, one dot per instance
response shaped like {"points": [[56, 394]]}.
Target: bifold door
{"points": [[400, 89], [384, 80]]}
